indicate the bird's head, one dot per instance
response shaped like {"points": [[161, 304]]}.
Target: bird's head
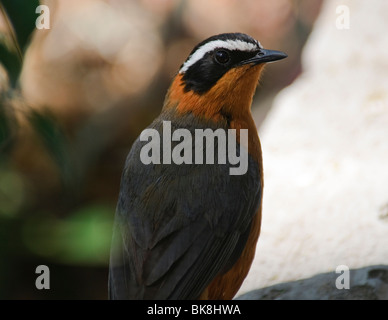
{"points": [[220, 76]]}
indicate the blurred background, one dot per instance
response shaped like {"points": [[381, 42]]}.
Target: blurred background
{"points": [[72, 100]]}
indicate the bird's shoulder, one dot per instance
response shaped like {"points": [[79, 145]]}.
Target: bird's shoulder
{"points": [[177, 218], [192, 188]]}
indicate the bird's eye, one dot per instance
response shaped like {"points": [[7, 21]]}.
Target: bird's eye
{"points": [[222, 56]]}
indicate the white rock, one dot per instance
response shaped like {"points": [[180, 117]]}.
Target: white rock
{"points": [[325, 150]]}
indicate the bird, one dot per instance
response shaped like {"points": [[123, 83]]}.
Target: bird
{"points": [[188, 231]]}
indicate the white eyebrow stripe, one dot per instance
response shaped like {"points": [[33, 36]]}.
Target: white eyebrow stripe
{"points": [[224, 44]]}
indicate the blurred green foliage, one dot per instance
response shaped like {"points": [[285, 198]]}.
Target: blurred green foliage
{"points": [[55, 142], [71, 241], [82, 238], [22, 24], [5, 129], [11, 192]]}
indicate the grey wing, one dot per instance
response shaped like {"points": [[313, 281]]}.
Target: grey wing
{"points": [[177, 227]]}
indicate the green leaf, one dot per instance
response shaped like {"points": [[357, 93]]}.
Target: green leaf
{"points": [[7, 126], [4, 130], [22, 16], [11, 63], [56, 143]]}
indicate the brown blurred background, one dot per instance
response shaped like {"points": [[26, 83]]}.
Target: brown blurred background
{"points": [[87, 88]]}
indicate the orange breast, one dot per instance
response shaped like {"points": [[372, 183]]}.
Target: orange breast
{"points": [[232, 95], [225, 287]]}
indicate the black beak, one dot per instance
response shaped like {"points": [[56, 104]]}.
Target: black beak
{"points": [[265, 56]]}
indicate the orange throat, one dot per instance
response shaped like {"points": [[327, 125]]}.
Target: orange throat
{"points": [[230, 97]]}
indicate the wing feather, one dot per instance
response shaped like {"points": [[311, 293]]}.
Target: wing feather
{"points": [[178, 226]]}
